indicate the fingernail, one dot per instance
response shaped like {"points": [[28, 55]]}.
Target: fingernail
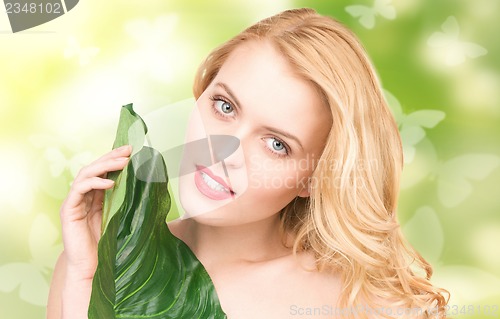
{"points": [[109, 181], [122, 159]]}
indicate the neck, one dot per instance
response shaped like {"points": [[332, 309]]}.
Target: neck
{"points": [[249, 243]]}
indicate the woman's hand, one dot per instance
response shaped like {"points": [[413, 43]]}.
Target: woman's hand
{"points": [[81, 212], [81, 215]]}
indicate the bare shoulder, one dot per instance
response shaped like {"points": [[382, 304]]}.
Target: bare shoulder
{"points": [[310, 292], [321, 285], [289, 286]]}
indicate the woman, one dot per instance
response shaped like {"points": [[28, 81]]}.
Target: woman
{"points": [[280, 239]]}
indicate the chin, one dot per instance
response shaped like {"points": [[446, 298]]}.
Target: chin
{"points": [[222, 216]]}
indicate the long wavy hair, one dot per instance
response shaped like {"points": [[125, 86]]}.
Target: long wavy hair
{"points": [[349, 220]]}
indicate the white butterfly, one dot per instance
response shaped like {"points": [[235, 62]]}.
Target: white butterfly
{"points": [[152, 33], [42, 141], [156, 53], [59, 163], [73, 49], [32, 277], [51, 166], [367, 14], [449, 48], [425, 220], [467, 284], [411, 125], [454, 177]]}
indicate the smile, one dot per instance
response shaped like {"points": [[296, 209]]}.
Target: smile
{"points": [[211, 185]]}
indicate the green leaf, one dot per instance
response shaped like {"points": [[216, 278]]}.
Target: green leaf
{"points": [[144, 271], [131, 131]]}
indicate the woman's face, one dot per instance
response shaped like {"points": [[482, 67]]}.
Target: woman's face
{"points": [[281, 125]]}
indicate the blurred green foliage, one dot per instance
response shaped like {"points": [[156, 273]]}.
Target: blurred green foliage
{"points": [[62, 85]]}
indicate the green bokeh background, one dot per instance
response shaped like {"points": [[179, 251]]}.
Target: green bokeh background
{"points": [[62, 85]]}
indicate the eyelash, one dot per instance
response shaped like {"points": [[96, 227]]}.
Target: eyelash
{"points": [[218, 113], [279, 155], [215, 99]]}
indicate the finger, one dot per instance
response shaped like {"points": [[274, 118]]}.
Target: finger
{"points": [[120, 155], [94, 222], [121, 151], [102, 167], [80, 188], [95, 214], [97, 201]]}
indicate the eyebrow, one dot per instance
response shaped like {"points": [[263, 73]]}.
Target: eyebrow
{"points": [[269, 128], [286, 134], [229, 92]]}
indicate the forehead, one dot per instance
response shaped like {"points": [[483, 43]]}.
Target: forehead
{"points": [[268, 88], [258, 66]]}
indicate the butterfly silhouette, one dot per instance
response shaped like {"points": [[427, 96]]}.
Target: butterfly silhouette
{"points": [[155, 53], [411, 126], [59, 163], [431, 245], [467, 284], [152, 33], [84, 55], [449, 49], [367, 14], [31, 277], [52, 166], [454, 177]]}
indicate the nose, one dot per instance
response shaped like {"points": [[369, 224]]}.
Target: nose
{"points": [[223, 146], [227, 148]]}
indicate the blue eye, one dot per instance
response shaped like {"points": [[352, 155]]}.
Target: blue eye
{"points": [[224, 106], [276, 146]]}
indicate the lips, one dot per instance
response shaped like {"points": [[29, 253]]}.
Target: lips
{"points": [[211, 185]]}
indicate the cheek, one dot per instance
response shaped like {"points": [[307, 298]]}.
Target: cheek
{"points": [[200, 120], [195, 129], [206, 117], [276, 178]]}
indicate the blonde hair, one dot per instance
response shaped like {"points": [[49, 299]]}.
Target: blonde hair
{"points": [[349, 220]]}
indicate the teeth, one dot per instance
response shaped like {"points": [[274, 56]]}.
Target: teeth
{"points": [[213, 184]]}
